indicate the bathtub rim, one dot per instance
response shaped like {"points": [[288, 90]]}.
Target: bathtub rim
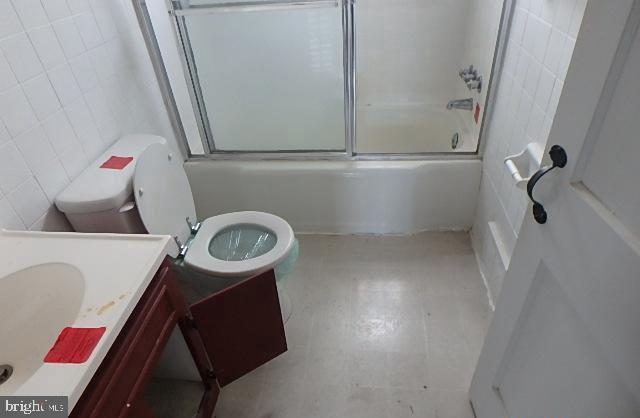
{"points": [[334, 156]]}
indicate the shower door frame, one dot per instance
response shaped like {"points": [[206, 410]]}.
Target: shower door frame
{"points": [[177, 14]]}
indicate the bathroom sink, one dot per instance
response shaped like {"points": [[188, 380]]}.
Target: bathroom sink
{"points": [[50, 281], [35, 304]]}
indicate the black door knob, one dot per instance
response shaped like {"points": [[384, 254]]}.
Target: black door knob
{"points": [[559, 159]]}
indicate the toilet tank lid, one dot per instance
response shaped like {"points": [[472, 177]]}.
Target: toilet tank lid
{"points": [[98, 189]]}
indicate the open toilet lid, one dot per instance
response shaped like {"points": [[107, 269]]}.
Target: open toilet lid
{"points": [[163, 194]]}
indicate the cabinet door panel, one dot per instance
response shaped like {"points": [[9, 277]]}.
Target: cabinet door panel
{"points": [[241, 326]]}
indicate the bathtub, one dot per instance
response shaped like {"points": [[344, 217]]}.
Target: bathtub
{"points": [[342, 197], [412, 128]]}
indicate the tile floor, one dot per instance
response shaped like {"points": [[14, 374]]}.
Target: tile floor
{"points": [[381, 327]]}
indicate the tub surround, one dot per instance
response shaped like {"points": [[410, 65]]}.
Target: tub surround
{"points": [[116, 270]]}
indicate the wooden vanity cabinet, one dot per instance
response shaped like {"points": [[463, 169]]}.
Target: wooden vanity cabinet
{"points": [[228, 333]]}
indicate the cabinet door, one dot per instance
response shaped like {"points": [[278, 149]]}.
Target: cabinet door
{"points": [[241, 326]]}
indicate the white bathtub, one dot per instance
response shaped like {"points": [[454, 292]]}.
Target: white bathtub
{"points": [[342, 197], [411, 128]]}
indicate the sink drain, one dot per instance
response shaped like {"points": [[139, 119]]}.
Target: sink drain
{"points": [[5, 373]]}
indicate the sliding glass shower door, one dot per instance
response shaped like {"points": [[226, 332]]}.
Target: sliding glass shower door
{"points": [[268, 76]]}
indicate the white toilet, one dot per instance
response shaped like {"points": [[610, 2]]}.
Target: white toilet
{"points": [[152, 194]]}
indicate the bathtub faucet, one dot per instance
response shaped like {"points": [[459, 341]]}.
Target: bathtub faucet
{"points": [[464, 104]]}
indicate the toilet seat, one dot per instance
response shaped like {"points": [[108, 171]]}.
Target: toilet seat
{"points": [[199, 257], [165, 204]]}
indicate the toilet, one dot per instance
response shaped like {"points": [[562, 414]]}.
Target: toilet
{"points": [[139, 186]]}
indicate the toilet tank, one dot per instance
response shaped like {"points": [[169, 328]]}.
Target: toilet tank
{"points": [[101, 198]]}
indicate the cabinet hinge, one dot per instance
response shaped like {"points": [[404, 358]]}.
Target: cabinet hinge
{"points": [[191, 322]]}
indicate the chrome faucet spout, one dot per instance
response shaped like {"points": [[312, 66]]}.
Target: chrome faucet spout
{"points": [[463, 104]]}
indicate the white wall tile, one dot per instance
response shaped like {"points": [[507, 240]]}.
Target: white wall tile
{"points": [[533, 75], [88, 29], [60, 133], [84, 72], [16, 112], [69, 37], [56, 9], [9, 21], [555, 97], [46, 44], [79, 6], [7, 78], [535, 122], [542, 31], [29, 201], [522, 67], [524, 109], [52, 179], [9, 219], [535, 7], [576, 18], [35, 149], [104, 18], [41, 96], [4, 134], [564, 14], [545, 87], [98, 106], [549, 8], [52, 221], [13, 169], [101, 61], [563, 65], [64, 83], [518, 25], [554, 50], [530, 33], [85, 128], [74, 160], [31, 13], [21, 56]]}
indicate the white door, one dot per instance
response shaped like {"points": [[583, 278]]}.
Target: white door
{"points": [[565, 338]]}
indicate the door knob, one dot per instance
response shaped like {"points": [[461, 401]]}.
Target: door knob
{"points": [[559, 159]]}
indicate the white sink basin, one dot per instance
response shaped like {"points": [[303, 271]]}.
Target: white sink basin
{"points": [[49, 281], [35, 304]]}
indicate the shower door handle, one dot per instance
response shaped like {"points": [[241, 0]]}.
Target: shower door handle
{"points": [[559, 159]]}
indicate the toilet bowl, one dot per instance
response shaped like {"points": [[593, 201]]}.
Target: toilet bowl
{"points": [[165, 203]]}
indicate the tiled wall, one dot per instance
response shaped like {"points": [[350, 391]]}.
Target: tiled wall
{"points": [[482, 25], [74, 77], [541, 39], [408, 51]]}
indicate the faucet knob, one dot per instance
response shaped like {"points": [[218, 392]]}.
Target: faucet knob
{"points": [[475, 84], [466, 71]]}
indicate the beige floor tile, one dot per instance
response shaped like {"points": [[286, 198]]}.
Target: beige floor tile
{"points": [[322, 400], [366, 402], [280, 399], [367, 369], [414, 403], [407, 370], [381, 327], [452, 404]]}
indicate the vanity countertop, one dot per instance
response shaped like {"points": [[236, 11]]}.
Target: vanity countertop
{"points": [[116, 270]]}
